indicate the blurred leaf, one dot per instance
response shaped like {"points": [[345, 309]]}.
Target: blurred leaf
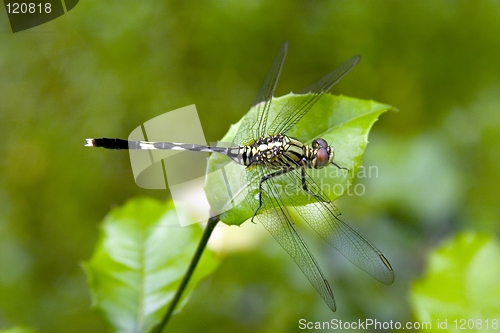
{"points": [[139, 262], [429, 159], [19, 329], [462, 283], [343, 122]]}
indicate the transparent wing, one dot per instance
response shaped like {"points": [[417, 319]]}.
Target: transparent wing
{"points": [[254, 124], [276, 219], [323, 217], [294, 110]]}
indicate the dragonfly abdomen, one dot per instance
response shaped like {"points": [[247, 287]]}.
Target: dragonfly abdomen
{"points": [[114, 143]]}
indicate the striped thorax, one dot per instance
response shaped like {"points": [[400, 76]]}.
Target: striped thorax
{"points": [[283, 152]]}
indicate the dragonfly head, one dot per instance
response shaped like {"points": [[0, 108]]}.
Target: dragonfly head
{"points": [[322, 153]]}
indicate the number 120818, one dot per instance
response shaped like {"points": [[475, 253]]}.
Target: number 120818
{"points": [[28, 8]]}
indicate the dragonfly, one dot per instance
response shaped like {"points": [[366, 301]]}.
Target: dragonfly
{"points": [[268, 154]]}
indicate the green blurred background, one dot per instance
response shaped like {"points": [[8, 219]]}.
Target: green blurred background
{"points": [[106, 67]]}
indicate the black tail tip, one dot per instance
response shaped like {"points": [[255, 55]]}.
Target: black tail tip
{"points": [[108, 143]]}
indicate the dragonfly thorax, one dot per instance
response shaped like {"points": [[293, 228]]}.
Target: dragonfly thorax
{"points": [[283, 152]]}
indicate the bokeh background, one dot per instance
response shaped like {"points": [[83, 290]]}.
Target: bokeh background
{"points": [[106, 67]]}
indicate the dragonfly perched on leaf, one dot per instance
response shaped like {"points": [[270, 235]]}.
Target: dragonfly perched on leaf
{"points": [[273, 160]]}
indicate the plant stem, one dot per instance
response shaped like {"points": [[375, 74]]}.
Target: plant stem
{"points": [[212, 222]]}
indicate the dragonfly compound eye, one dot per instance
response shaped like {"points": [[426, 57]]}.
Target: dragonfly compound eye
{"points": [[322, 158], [320, 143]]}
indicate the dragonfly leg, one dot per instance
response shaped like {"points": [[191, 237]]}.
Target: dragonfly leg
{"points": [[262, 180], [306, 188]]}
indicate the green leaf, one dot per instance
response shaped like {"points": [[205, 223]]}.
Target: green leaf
{"points": [[462, 283], [343, 122], [139, 261]]}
